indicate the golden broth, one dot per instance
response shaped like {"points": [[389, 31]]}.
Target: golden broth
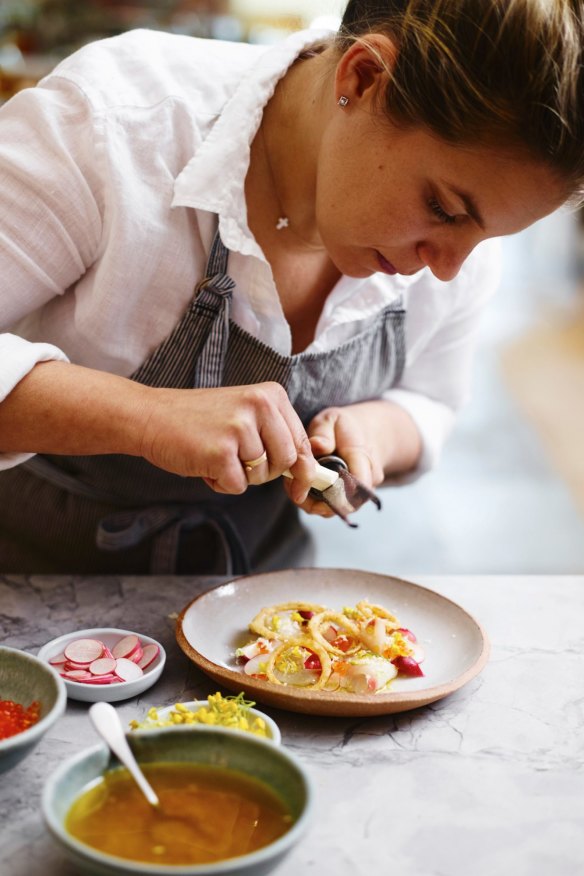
{"points": [[206, 814]]}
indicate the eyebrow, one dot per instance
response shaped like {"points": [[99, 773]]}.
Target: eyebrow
{"points": [[470, 205]]}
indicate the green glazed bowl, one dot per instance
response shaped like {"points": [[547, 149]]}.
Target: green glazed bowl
{"points": [[209, 746], [24, 678]]}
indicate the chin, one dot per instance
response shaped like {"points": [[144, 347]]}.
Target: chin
{"points": [[350, 268]]}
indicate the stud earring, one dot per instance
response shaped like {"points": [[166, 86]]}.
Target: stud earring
{"points": [[343, 101]]}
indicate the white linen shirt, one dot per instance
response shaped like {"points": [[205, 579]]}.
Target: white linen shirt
{"points": [[113, 171]]}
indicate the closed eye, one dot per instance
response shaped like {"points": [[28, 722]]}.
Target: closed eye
{"points": [[439, 211]]}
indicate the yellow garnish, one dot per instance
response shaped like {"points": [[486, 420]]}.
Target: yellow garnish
{"points": [[399, 647], [291, 660], [221, 711], [351, 613]]}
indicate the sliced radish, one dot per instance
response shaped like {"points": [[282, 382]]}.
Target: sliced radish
{"points": [[84, 651], [418, 653], [407, 634], [127, 670], [149, 653], [101, 679], [257, 665], [136, 654], [313, 662], [330, 633], [58, 660], [407, 666], [125, 646], [103, 666], [77, 675], [89, 661]]}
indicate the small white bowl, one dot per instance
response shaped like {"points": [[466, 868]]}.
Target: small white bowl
{"points": [[109, 693], [272, 728]]}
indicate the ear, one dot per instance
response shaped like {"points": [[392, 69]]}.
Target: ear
{"points": [[365, 67]]}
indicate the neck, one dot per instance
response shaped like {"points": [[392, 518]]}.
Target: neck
{"points": [[285, 153]]}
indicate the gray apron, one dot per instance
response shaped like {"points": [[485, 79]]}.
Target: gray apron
{"points": [[115, 514]]}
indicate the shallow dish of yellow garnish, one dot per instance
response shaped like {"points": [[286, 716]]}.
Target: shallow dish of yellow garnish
{"points": [[233, 712]]}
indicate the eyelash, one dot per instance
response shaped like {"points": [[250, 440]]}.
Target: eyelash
{"points": [[442, 215]]}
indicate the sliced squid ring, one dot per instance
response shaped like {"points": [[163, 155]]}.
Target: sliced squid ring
{"points": [[325, 661], [258, 624], [316, 622], [369, 609]]}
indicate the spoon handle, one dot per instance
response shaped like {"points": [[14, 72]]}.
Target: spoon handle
{"points": [[106, 721]]}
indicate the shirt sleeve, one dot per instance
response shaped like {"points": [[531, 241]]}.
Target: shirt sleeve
{"points": [[437, 377], [50, 221], [19, 357]]}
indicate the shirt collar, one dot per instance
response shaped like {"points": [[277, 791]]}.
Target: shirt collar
{"points": [[214, 178]]}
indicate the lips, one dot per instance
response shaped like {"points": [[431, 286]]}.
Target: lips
{"points": [[385, 266]]}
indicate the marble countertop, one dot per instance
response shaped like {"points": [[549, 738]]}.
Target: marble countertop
{"points": [[487, 782]]}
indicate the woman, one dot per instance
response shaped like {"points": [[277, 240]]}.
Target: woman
{"points": [[209, 253]]}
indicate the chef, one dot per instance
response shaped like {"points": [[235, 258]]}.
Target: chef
{"points": [[220, 262]]}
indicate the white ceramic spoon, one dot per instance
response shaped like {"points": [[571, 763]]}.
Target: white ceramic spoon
{"points": [[106, 721]]}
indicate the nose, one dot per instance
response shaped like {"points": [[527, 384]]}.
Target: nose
{"points": [[444, 259]]}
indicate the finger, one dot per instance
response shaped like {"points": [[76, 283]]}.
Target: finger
{"points": [[310, 505], [214, 485], [322, 432], [359, 463], [256, 468], [300, 462]]}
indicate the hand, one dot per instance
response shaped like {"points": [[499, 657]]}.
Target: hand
{"points": [[208, 432], [344, 431]]}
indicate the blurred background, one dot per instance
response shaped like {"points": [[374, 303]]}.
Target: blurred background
{"points": [[508, 496]]}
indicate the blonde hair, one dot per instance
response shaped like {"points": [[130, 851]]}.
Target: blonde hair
{"points": [[509, 72]]}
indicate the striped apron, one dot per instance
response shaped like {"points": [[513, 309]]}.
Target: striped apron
{"points": [[115, 514]]}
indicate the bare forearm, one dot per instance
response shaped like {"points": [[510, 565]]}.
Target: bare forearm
{"points": [[66, 409]]}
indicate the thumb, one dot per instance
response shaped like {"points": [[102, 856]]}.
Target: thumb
{"points": [[322, 434]]}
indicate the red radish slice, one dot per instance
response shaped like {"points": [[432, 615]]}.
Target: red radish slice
{"points": [[136, 655], [407, 666], [77, 675], [71, 665], [103, 666], [107, 652], [58, 660], [313, 662], [149, 654], [407, 634], [84, 650], [101, 679], [126, 670], [125, 646], [256, 665]]}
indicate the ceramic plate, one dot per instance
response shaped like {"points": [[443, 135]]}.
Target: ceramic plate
{"points": [[214, 624]]}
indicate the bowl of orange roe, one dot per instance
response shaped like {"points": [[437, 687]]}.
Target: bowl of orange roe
{"points": [[32, 697]]}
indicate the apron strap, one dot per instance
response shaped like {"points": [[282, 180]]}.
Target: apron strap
{"points": [[203, 332]]}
